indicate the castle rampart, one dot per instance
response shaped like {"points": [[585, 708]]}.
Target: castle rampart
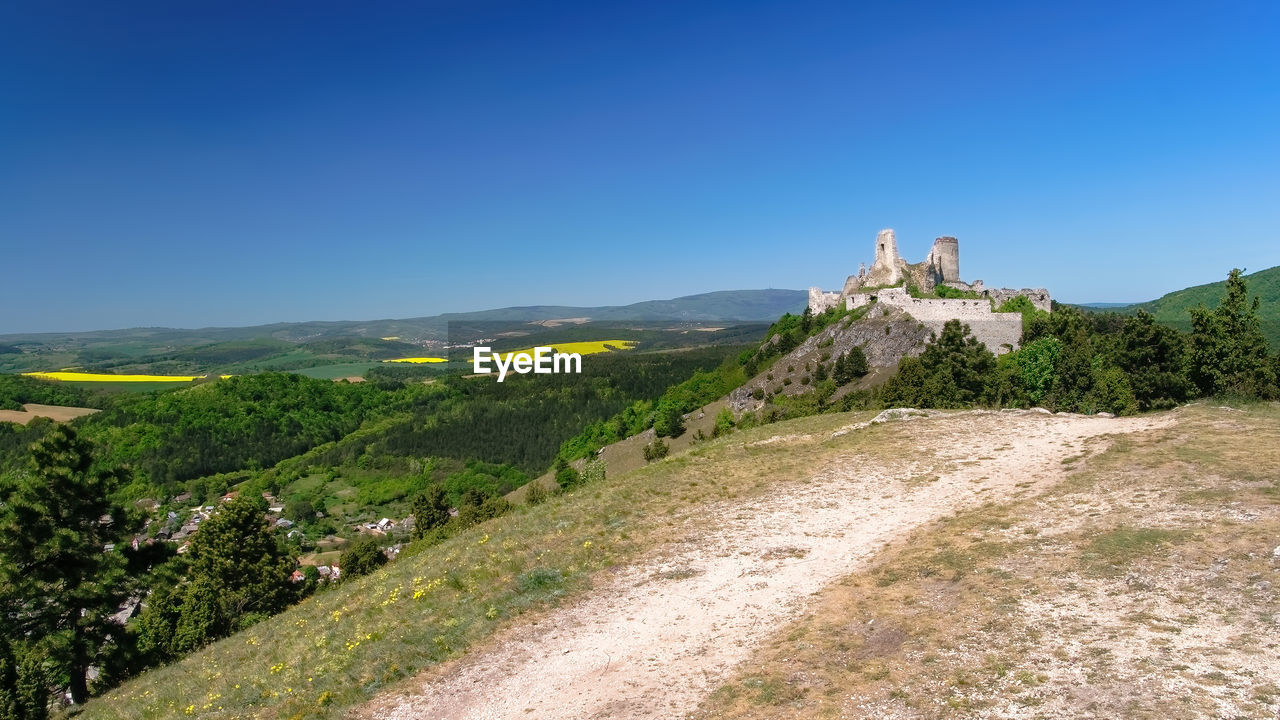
{"points": [[887, 280]]}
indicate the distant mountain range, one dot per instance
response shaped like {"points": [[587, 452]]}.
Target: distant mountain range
{"points": [[1174, 309], [714, 307]]}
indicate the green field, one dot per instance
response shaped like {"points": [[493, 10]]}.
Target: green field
{"points": [[333, 372]]}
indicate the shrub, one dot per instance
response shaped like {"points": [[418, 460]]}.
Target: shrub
{"points": [[361, 558], [669, 421], [537, 494], [656, 450], [724, 423], [469, 514], [566, 475]]}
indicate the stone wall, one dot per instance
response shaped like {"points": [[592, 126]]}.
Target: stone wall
{"points": [[1039, 297], [819, 300], [1000, 332]]}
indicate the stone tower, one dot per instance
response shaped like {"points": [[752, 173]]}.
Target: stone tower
{"points": [[887, 269], [944, 259]]}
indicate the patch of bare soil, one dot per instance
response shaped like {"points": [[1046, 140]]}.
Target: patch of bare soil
{"points": [[657, 638], [57, 413]]}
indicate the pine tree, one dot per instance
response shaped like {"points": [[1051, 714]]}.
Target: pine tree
{"points": [[857, 362], [56, 582], [1153, 356], [10, 707], [158, 624], [1228, 352], [430, 511], [33, 686], [669, 421], [244, 563], [202, 617]]}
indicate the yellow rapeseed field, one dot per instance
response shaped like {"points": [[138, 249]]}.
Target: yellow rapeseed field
{"points": [[67, 376], [588, 347]]}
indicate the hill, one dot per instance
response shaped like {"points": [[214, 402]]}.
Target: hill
{"points": [[1174, 309], [826, 552]]}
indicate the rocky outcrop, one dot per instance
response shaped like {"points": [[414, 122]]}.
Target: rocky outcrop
{"points": [[886, 334]]}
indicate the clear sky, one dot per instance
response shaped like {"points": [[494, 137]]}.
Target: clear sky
{"points": [[226, 163]]}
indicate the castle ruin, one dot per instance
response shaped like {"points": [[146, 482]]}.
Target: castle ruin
{"points": [[894, 282]]}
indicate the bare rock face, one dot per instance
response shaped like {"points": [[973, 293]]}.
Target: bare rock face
{"points": [[886, 334]]}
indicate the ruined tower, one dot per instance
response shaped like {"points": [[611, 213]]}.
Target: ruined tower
{"points": [[887, 269], [944, 259]]}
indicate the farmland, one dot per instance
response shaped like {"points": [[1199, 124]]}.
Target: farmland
{"points": [[69, 376], [57, 413], [587, 347]]}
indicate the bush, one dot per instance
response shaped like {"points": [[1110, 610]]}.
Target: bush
{"points": [[656, 450], [361, 558], [567, 476], [724, 423], [669, 421], [593, 471], [538, 493], [473, 514]]}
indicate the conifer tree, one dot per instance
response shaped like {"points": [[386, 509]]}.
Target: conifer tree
{"points": [[1228, 352], [244, 565], [430, 511], [58, 585]]}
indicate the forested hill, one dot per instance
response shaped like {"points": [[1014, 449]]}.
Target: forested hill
{"points": [[1174, 309]]}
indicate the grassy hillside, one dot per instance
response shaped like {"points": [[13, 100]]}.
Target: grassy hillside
{"points": [[339, 648], [1174, 309]]}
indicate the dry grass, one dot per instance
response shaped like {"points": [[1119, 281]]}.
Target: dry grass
{"points": [[1142, 586], [339, 648]]}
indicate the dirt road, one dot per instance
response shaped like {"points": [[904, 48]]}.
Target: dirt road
{"points": [[663, 632]]}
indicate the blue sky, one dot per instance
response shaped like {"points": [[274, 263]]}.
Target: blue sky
{"points": [[224, 163]]}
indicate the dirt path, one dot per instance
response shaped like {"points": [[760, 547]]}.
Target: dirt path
{"points": [[653, 641]]}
